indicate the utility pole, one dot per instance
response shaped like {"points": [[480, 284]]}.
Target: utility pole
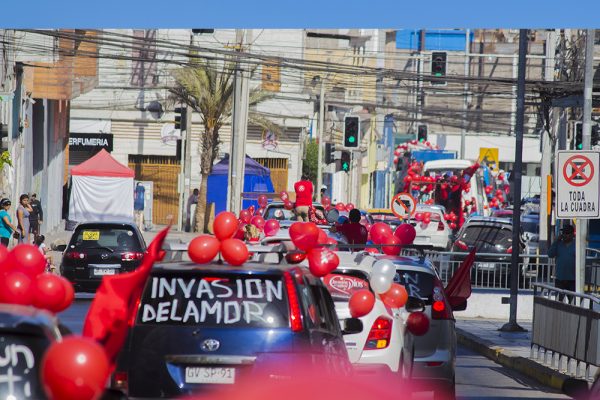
{"points": [[320, 144], [237, 153], [181, 181], [581, 225], [512, 325], [466, 91]]}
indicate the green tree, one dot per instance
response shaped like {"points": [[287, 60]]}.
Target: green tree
{"points": [[310, 161], [207, 88]]}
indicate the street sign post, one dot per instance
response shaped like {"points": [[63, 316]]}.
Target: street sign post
{"points": [[577, 194], [403, 205]]}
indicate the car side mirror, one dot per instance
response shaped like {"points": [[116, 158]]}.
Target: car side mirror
{"points": [[458, 303], [352, 326], [332, 216], [60, 247], [414, 304]]}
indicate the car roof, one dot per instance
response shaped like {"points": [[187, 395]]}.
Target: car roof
{"points": [[364, 261], [488, 221], [435, 207], [16, 317], [127, 224], [447, 164], [248, 268]]}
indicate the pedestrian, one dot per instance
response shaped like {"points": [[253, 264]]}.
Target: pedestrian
{"points": [[193, 199], [304, 194], [6, 226], [23, 211], [39, 243], [323, 191], [353, 230], [36, 217], [563, 249], [138, 205]]}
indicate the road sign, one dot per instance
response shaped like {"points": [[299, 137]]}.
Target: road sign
{"points": [[577, 194], [489, 155], [403, 205]]}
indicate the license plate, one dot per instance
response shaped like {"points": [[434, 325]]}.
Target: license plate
{"points": [[91, 235], [103, 271], [486, 265], [210, 375]]}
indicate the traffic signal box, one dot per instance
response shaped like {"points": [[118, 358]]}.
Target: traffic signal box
{"points": [[351, 132]]}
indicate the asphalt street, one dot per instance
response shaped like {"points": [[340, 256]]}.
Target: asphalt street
{"points": [[476, 377]]}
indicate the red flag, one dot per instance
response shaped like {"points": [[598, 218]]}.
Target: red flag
{"points": [[116, 301], [459, 288]]}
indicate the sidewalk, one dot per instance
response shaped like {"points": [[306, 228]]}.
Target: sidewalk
{"points": [[512, 350]]}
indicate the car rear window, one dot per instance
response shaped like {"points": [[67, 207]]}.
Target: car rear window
{"points": [[342, 285], [488, 234], [281, 214], [385, 218], [20, 358], [417, 283], [115, 238], [215, 301]]}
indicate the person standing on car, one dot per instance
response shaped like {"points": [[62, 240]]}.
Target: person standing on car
{"points": [[563, 249], [36, 217], [304, 196], [23, 211], [6, 226]]}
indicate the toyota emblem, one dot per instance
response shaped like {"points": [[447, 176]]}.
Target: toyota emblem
{"points": [[210, 345]]}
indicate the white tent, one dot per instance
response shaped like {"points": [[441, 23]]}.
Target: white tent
{"points": [[101, 190]]}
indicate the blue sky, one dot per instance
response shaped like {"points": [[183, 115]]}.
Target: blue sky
{"points": [[299, 14]]}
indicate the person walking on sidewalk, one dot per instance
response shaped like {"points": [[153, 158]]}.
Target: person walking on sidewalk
{"points": [[6, 226], [138, 205], [23, 211], [36, 217], [563, 249], [304, 196]]}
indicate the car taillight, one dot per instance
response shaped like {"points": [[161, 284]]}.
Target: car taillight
{"points": [[295, 313], [120, 380], [75, 255], [380, 334], [130, 256], [461, 245], [509, 250], [440, 309], [441, 226]]}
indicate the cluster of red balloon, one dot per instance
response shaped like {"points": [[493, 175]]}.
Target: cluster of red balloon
{"points": [[307, 237], [285, 197], [451, 218], [205, 248], [381, 233], [23, 280], [247, 218], [412, 145], [425, 217]]}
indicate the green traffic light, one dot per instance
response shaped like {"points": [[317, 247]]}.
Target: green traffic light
{"points": [[351, 139], [345, 166], [579, 146]]}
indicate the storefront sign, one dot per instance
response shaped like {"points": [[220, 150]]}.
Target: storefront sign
{"points": [[90, 141]]}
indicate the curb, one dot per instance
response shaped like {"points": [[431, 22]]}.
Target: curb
{"points": [[542, 374]]}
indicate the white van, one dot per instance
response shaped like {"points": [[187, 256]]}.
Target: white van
{"points": [[455, 167]]}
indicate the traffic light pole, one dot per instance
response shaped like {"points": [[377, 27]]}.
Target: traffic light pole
{"points": [[320, 143]]}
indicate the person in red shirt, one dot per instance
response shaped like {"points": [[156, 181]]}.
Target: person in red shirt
{"points": [[355, 232], [304, 195]]}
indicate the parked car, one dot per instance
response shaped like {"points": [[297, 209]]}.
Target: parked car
{"points": [[201, 326], [434, 352], [97, 249], [385, 344], [435, 234]]}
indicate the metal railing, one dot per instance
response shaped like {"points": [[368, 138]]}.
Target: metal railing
{"points": [[565, 330]]}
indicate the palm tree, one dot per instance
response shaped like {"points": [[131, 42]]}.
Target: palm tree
{"points": [[208, 90]]}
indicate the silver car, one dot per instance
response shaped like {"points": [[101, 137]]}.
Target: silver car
{"points": [[434, 352]]}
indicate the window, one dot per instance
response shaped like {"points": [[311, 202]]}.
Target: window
{"points": [[144, 71]]}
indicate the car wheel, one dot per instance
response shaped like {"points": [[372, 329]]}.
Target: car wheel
{"points": [[447, 393]]}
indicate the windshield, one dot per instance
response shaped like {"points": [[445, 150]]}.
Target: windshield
{"points": [[478, 234], [20, 358], [110, 237], [215, 301]]}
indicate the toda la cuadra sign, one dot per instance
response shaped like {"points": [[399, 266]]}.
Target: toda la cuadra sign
{"points": [[577, 194]]}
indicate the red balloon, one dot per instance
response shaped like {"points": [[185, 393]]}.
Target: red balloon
{"points": [[234, 251], [323, 238], [426, 215], [417, 323], [322, 261], [48, 292], [295, 258], [406, 233], [325, 201], [287, 205], [284, 196], [452, 226], [304, 235], [260, 211], [75, 368], [361, 303], [372, 250], [16, 288], [391, 250], [419, 217], [241, 232], [263, 201], [380, 231], [3, 257], [396, 297], [340, 207], [27, 259], [349, 207], [225, 225], [426, 221], [368, 226], [245, 216], [69, 294], [203, 249], [446, 217], [258, 222], [271, 227]]}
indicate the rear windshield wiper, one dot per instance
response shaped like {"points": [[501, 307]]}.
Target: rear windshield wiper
{"points": [[101, 247]]}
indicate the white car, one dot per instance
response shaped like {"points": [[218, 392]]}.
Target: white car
{"points": [[385, 344], [436, 233]]}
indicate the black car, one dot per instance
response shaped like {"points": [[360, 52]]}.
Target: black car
{"points": [[97, 249], [199, 327]]}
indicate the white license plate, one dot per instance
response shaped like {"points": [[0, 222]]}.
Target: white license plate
{"points": [[486, 265], [210, 375], [104, 271]]}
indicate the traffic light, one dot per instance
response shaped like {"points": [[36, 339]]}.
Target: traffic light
{"points": [[329, 153], [578, 136], [345, 161], [351, 132], [180, 118], [438, 66], [422, 133]]}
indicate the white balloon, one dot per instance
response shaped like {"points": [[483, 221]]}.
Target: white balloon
{"points": [[384, 268], [381, 283]]}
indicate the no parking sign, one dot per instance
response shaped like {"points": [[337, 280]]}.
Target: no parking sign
{"points": [[403, 205], [577, 194]]}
